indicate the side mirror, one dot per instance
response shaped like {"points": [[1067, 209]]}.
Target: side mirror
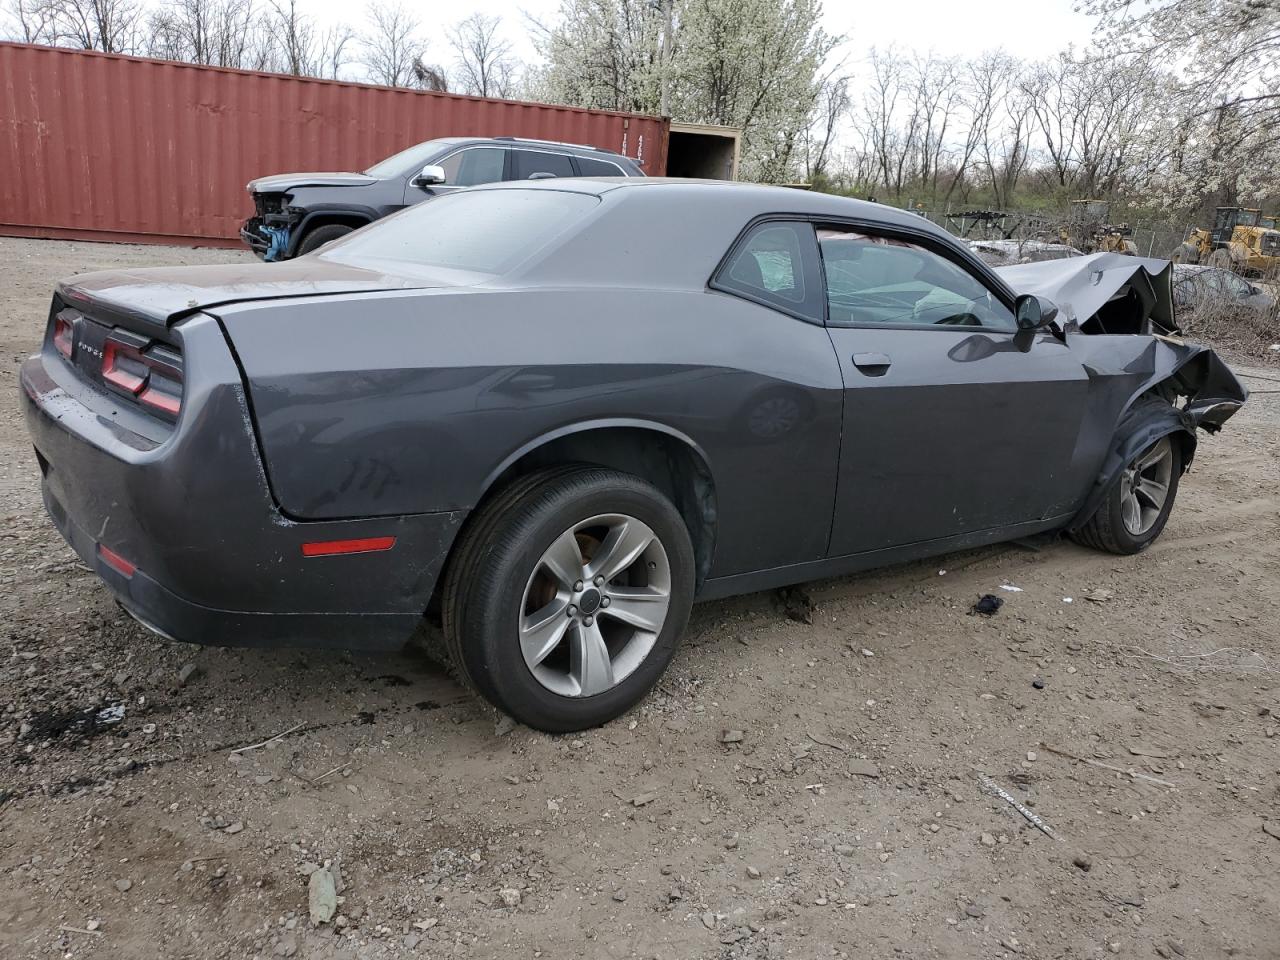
{"points": [[430, 175], [1034, 312]]}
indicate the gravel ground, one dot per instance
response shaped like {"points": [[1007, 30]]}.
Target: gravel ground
{"points": [[804, 782]]}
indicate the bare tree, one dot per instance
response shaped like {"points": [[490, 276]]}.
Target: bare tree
{"points": [[430, 76], [299, 47], [830, 109], [484, 65], [30, 21], [392, 45], [111, 26], [222, 33]]}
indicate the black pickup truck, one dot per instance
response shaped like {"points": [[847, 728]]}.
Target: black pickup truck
{"points": [[294, 213]]}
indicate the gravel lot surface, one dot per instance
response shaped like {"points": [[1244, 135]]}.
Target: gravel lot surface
{"points": [[804, 782]]}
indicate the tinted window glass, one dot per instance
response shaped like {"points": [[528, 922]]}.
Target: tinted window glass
{"points": [[587, 167], [874, 279], [529, 162], [468, 168], [482, 231], [777, 264]]}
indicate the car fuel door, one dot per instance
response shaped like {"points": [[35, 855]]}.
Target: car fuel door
{"points": [[953, 424]]}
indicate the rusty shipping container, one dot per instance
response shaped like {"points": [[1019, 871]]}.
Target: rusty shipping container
{"points": [[102, 147]]}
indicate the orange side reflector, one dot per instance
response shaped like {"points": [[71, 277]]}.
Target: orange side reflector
{"points": [[116, 562], [329, 548]]}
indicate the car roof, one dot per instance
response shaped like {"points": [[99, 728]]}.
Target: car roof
{"points": [[750, 199]]}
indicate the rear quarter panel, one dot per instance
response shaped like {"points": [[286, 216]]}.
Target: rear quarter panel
{"points": [[401, 403]]}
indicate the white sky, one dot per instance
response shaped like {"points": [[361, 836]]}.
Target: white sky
{"points": [[1027, 28]]}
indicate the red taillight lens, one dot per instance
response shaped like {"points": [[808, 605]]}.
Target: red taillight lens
{"points": [[329, 548], [152, 373], [116, 562], [63, 334], [123, 366]]}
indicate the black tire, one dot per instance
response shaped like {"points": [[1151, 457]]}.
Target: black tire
{"points": [[1106, 529], [1185, 253], [1221, 258], [502, 547], [317, 238]]}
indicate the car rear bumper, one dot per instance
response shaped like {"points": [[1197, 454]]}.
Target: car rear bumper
{"points": [[186, 533]]}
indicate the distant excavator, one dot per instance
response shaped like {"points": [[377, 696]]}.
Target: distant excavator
{"points": [[1242, 240]]}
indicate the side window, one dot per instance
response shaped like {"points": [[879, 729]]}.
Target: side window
{"points": [[776, 264], [467, 168], [587, 167], [1235, 286], [528, 162], [874, 279]]}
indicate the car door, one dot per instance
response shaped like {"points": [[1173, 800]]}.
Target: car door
{"points": [[953, 423]]}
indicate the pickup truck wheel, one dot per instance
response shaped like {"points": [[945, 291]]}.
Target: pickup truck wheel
{"points": [[568, 597], [321, 235], [1135, 510]]}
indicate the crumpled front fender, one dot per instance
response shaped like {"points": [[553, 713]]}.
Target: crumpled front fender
{"points": [[1193, 387]]}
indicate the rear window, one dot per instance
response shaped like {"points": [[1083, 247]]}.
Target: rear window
{"points": [[479, 231]]}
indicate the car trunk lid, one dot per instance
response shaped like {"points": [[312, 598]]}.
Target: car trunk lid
{"points": [[153, 299]]}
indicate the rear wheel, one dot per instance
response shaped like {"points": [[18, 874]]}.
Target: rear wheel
{"points": [[321, 235], [1221, 259], [568, 597], [1185, 253], [1135, 510]]}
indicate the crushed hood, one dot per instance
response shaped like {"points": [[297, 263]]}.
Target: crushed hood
{"points": [[159, 296], [281, 182], [1083, 286]]}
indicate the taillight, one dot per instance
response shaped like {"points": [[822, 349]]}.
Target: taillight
{"points": [[63, 334], [150, 372]]}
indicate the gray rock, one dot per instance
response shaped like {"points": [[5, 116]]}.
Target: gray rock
{"points": [[322, 896], [863, 768], [510, 896], [124, 885], [709, 920], [988, 840], [620, 896], [1083, 862], [188, 671], [753, 873]]}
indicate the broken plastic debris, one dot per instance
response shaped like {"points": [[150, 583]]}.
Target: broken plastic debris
{"points": [[994, 788], [1010, 587], [109, 715], [987, 604], [1066, 600]]}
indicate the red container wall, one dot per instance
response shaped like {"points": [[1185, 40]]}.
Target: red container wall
{"points": [[104, 147]]}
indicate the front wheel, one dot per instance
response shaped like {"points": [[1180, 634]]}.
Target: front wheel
{"points": [[568, 596], [317, 238], [1135, 510]]}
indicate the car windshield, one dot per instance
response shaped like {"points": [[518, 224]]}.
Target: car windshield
{"points": [[476, 231], [401, 163]]}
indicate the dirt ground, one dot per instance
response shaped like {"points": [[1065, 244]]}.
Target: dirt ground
{"points": [[848, 820]]}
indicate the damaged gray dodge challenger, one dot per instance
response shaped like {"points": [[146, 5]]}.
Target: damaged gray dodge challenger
{"points": [[551, 415]]}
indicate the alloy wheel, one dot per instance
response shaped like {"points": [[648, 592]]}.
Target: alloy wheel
{"points": [[594, 605], [1144, 487]]}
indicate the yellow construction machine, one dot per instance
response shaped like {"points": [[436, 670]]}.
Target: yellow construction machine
{"points": [[1242, 240], [1089, 228]]}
